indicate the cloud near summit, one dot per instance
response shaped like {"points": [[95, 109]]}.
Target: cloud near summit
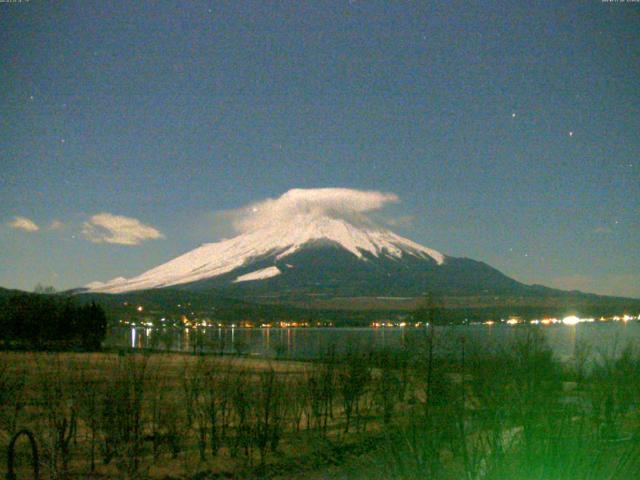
{"points": [[344, 203]]}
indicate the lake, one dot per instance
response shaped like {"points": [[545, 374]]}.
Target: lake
{"points": [[303, 343]]}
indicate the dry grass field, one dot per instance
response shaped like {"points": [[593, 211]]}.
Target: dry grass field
{"points": [[516, 414]]}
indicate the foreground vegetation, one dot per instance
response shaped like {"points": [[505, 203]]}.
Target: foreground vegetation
{"points": [[463, 413]]}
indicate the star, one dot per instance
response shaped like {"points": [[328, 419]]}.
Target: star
{"points": [[513, 115], [31, 97], [571, 133], [62, 140]]}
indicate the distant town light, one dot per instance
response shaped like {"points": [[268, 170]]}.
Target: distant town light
{"points": [[571, 320]]}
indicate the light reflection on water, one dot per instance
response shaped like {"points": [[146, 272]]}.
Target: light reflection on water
{"points": [[602, 338]]}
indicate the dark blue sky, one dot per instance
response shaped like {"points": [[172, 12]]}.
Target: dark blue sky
{"points": [[510, 130]]}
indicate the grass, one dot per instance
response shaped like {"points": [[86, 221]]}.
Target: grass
{"points": [[463, 413]]}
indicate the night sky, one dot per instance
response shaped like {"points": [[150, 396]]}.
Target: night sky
{"points": [[509, 130]]}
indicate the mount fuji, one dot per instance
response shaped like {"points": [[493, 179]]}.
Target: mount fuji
{"points": [[318, 242], [320, 249]]}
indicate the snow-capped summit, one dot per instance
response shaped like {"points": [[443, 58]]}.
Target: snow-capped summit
{"points": [[286, 233], [317, 242]]}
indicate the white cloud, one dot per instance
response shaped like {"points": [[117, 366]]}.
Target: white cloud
{"points": [[24, 223], [56, 225], [118, 229], [334, 202]]}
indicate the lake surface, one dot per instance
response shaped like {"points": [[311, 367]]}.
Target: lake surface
{"points": [[302, 343]]}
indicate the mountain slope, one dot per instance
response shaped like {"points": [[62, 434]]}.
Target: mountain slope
{"points": [[274, 244], [324, 268], [319, 260]]}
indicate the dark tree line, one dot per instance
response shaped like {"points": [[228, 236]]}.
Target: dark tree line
{"points": [[51, 322]]}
